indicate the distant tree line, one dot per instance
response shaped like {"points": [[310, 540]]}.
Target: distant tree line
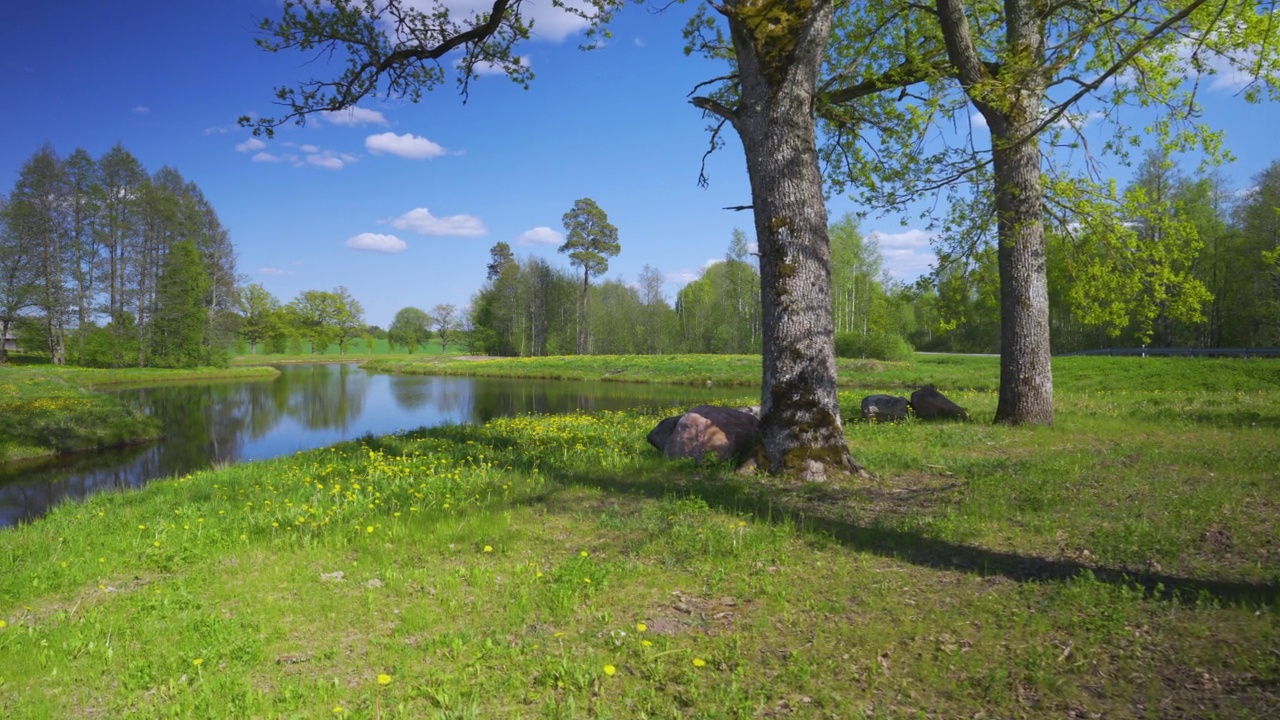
{"points": [[105, 264], [1170, 260], [529, 307]]}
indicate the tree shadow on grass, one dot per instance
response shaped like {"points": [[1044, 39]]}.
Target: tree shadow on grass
{"points": [[853, 517], [858, 516]]}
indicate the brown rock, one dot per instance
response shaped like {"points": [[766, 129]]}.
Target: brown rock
{"points": [[723, 432], [658, 436]]}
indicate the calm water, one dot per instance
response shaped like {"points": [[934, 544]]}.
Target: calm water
{"points": [[308, 406]]}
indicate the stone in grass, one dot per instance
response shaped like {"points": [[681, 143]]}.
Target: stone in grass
{"points": [[722, 432], [658, 436], [929, 404], [884, 408]]}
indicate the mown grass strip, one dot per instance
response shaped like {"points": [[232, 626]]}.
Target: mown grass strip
{"points": [[947, 372]]}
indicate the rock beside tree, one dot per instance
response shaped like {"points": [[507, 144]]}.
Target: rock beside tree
{"points": [[707, 429]]}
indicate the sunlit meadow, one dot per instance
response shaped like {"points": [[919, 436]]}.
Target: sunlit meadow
{"points": [[1120, 564]]}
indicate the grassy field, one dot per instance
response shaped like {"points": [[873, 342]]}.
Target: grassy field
{"points": [[947, 372], [1120, 564], [47, 410], [357, 351]]}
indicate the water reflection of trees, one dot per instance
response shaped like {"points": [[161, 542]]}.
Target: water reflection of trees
{"points": [[223, 422], [326, 396]]}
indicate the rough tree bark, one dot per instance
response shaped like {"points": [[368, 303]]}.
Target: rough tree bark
{"points": [[780, 49], [1009, 96]]}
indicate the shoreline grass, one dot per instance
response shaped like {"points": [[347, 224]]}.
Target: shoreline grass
{"points": [[1119, 564], [47, 410]]}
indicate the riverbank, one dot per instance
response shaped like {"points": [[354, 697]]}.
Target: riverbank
{"points": [[948, 372], [47, 410], [1119, 564]]}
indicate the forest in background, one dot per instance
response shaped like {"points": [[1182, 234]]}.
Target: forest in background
{"points": [[104, 264]]}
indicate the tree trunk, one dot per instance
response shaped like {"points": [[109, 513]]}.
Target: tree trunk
{"points": [[1026, 378], [582, 316], [800, 415]]}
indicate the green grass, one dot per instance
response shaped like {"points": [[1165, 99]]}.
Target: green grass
{"points": [[357, 351], [947, 372], [1119, 564], [47, 410]]}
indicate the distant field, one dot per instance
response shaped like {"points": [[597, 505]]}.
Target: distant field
{"points": [[356, 350]]}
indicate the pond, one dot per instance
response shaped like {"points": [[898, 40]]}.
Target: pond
{"points": [[308, 406]]}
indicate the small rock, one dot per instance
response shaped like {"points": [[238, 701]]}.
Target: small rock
{"points": [[335, 576], [375, 583]]}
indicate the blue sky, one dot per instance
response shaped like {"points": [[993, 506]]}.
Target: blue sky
{"points": [[401, 203]]}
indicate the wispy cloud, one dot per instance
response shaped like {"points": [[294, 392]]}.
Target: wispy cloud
{"points": [[275, 271], [682, 277], [541, 235], [141, 110], [265, 157], [355, 117], [373, 242], [250, 145], [405, 146], [420, 220]]}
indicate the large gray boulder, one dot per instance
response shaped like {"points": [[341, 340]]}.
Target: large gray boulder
{"points": [[929, 404], [722, 432], [884, 408]]}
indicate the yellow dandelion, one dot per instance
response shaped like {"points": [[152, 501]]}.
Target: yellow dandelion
{"points": [[384, 679], [584, 553], [699, 662], [198, 662], [488, 548], [337, 709], [610, 670], [369, 529], [3, 624], [641, 627], [538, 574], [646, 643], [586, 580], [142, 527]]}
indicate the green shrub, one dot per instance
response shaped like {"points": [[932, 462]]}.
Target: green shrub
{"points": [[876, 344]]}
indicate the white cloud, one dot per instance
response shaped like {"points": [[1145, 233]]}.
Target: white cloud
{"points": [[639, 42], [355, 117], [713, 261], [549, 22], [374, 242], [484, 67], [250, 145], [310, 149], [421, 221], [328, 162], [216, 130], [265, 157], [141, 110], [907, 254], [406, 146], [978, 120], [274, 271], [541, 235]]}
